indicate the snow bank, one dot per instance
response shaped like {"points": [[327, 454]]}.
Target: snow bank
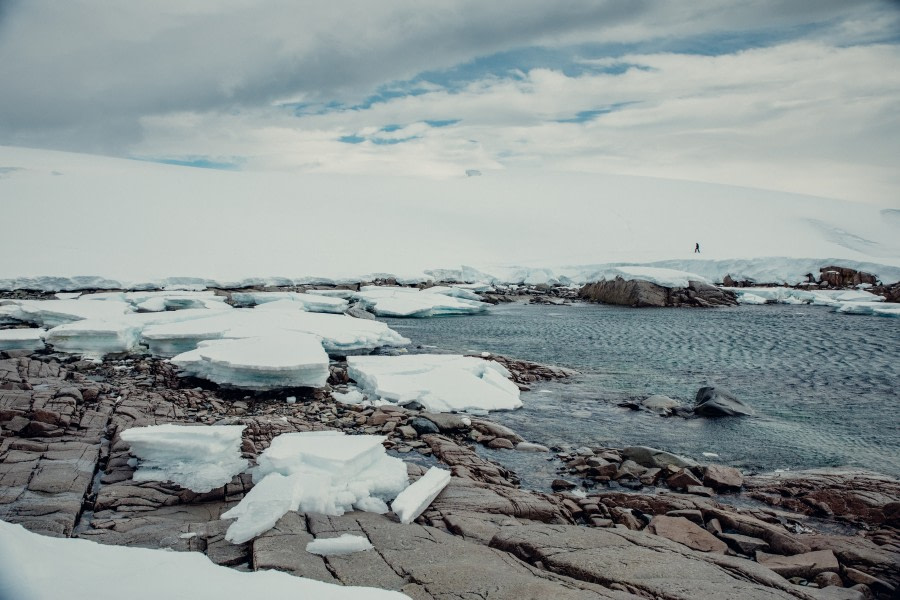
{"points": [[199, 458], [286, 359], [345, 544], [671, 278], [412, 302], [22, 339], [325, 472], [36, 567], [309, 302], [413, 501], [440, 382]]}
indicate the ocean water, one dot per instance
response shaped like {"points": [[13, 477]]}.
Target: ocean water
{"points": [[825, 386]]}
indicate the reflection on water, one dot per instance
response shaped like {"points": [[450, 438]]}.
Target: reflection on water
{"points": [[824, 385]]}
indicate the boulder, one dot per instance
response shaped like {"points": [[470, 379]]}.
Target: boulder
{"points": [[845, 277], [806, 565], [682, 480], [652, 457], [683, 531], [639, 293], [717, 402], [661, 405], [720, 477]]}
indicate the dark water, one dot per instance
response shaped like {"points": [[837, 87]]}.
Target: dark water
{"points": [[824, 385]]}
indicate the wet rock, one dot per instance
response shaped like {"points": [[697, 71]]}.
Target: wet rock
{"points": [[661, 405], [683, 531], [500, 443], [653, 457], [716, 402], [449, 422], [682, 479], [424, 426], [560, 485], [531, 447]]}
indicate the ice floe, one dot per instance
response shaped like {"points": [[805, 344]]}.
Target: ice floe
{"points": [[387, 301], [858, 302], [285, 359], [345, 544], [50, 313], [199, 458], [22, 339], [308, 302], [439, 382], [326, 472], [413, 501], [94, 338], [82, 570]]}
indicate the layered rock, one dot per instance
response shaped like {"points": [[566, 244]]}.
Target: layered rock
{"points": [[640, 293]]}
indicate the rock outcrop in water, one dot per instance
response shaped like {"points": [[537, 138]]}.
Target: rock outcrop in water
{"points": [[716, 402], [639, 293]]}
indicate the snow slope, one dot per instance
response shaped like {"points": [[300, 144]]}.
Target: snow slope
{"points": [[68, 215]]}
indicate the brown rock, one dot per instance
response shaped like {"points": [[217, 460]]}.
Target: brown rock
{"points": [[806, 565], [682, 480], [679, 529], [720, 477], [743, 543], [501, 443], [828, 578]]}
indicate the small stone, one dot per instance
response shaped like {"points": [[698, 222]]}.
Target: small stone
{"points": [[407, 432]]}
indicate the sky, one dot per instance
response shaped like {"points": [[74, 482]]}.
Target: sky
{"points": [[800, 96]]}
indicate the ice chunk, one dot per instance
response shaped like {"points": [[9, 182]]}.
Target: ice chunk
{"points": [[413, 501], [324, 472], [143, 574], [345, 294], [22, 339], [199, 458], [50, 313], [454, 291], [346, 544], [308, 302], [440, 382], [411, 302], [349, 397], [267, 362], [94, 338], [748, 298]]}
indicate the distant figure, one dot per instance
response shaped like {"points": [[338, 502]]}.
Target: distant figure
{"points": [[697, 248]]}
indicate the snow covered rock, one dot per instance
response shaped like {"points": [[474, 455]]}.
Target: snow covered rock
{"points": [[199, 458], [413, 501], [281, 360], [37, 567], [22, 339], [345, 544], [440, 382], [412, 302], [324, 472]]}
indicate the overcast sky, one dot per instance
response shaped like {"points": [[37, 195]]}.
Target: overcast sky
{"points": [[794, 95]]}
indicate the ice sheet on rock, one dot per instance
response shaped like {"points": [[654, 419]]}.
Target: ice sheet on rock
{"points": [[143, 574], [345, 544], [325, 472], [440, 382], [309, 302], [413, 501], [50, 313], [22, 339], [199, 458], [286, 359], [412, 302], [95, 338], [345, 294]]}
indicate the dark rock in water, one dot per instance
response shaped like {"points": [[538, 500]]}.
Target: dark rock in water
{"points": [[424, 426], [640, 293], [716, 402], [560, 485]]}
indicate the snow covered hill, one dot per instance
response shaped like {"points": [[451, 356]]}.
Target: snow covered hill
{"points": [[66, 215]]}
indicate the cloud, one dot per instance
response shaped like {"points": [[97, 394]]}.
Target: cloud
{"points": [[765, 94]]}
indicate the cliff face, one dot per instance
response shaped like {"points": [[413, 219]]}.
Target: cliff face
{"points": [[639, 293]]}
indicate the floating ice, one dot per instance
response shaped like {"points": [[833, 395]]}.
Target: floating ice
{"points": [[748, 298], [413, 501], [412, 302], [199, 458], [143, 574], [22, 339], [308, 302], [440, 382], [287, 359], [324, 472], [346, 544]]}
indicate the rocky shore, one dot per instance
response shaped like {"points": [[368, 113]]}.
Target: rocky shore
{"points": [[695, 531]]}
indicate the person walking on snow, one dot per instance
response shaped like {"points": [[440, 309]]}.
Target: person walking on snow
{"points": [[697, 248]]}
